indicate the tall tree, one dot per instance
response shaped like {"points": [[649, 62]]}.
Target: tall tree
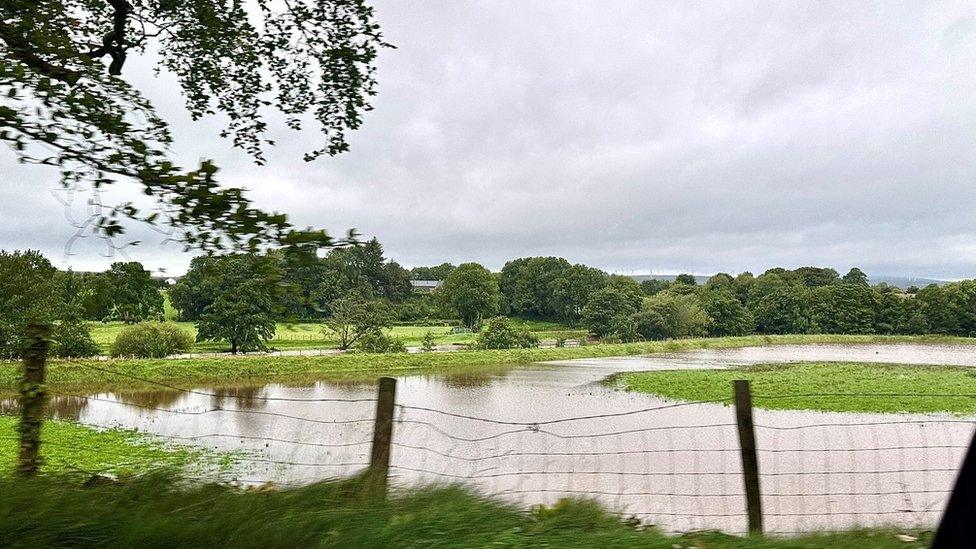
{"points": [[246, 302], [28, 293], [64, 102], [855, 276], [135, 296], [472, 291]]}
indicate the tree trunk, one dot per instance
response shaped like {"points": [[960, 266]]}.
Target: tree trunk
{"points": [[233, 346]]}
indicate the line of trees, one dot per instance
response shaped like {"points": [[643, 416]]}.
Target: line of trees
{"points": [[356, 291]]}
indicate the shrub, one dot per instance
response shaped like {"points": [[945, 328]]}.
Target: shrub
{"points": [[500, 334], [72, 339], [378, 342], [428, 344], [151, 340]]}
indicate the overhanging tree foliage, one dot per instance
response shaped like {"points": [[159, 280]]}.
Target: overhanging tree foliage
{"points": [[64, 103]]}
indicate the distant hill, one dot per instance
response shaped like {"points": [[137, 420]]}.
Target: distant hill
{"points": [[902, 282], [905, 281]]}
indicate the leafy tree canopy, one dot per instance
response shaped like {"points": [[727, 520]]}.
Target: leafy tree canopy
{"points": [[64, 102], [472, 291]]}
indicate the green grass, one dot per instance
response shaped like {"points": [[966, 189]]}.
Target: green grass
{"points": [[838, 385], [71, 448], [158, 512], [310, 335], [258, 369]]}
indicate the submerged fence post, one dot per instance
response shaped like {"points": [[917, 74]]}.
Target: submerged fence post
{"points": [[379, 460], [747, 449], [32, 398]]}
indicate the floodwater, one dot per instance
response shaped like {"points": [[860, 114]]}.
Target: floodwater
{"points": [[537, 433]]}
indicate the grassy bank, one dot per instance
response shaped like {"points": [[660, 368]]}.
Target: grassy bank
{"points": [[827, 386], [72, 448], [155, 512], [314, 335], [255, 369]]}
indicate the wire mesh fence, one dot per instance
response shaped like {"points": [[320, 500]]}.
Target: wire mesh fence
{"points": [[676, 465]]}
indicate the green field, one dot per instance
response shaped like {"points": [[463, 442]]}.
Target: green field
{"points": [[72, 448], [313, 335], [158, 512], [259, 369], [826, 386]]}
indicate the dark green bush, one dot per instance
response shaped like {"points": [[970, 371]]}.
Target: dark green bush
{"points": [[151, 340], [72, 339], [499, 333], [379, 342]]}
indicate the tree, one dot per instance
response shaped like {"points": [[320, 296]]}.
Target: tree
{"points": [[28, 293], [682, 313], [687, 279], [527, 286], [302, 273], [814, 277], [650, 325], [135, 296], [363, 269], [934, 304], [351, 318], [855, 276], [720, 281], [95, 295], [438, 272], [728, 316], [65, 103], [742, 285], [843, 309], [569, 293], [245, 305], [652, 286], [500, 334], [607, 305], [471, 291], [782, 311], [196, 289]]}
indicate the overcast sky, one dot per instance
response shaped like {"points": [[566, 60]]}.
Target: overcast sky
{"points": [[636, 137]]}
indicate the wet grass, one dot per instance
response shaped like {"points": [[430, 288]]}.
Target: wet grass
{"points": [[257, 369], [159, 512], [72, 448], [824, 386], [310, 335]]}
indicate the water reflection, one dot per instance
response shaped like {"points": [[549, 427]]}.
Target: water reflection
{"points": [[676, 467]]}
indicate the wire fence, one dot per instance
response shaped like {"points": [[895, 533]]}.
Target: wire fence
{"points": [[681, 466]]}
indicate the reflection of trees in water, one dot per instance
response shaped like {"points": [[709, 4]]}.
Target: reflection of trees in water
{"points": [[150, 399], [67, 407], [243, 398], [59, 407], [351, 383], [466, 380]]}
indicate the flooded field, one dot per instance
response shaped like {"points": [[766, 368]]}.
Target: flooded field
{"points": [[536, 433]]}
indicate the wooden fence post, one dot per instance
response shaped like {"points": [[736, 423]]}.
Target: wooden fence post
{"points": [[32, 397], [747, 449], [379, 460]]}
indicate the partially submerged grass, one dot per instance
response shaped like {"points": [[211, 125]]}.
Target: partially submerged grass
{"points": [[825, 386], [73, 448], [257, 369], [159, 512]]}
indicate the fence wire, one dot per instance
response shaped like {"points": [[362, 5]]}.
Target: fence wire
{"points": [[657, 463]]}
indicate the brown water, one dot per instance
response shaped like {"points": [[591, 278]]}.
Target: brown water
{"points": [[675, 466]]}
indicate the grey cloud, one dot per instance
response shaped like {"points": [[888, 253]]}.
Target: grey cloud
{"points": [[637, 137]]}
